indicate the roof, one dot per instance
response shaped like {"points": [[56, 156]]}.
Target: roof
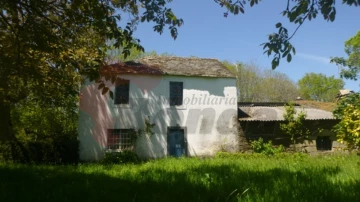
{"points": [[169, 65], [130, 68], [268, 113]]}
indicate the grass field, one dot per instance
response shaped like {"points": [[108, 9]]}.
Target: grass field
{"points": [[235, 178]]}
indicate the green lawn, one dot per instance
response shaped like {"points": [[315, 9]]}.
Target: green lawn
{"points": [[240, 178]]}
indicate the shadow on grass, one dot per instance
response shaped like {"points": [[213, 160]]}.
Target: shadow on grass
{"points": [[202, 183]]}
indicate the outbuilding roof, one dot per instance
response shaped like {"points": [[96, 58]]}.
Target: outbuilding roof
{"points": [[169, 65], [268, 113]]}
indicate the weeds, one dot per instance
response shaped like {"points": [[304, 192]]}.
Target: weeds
{"points": [[259, 146], [227, 177]]}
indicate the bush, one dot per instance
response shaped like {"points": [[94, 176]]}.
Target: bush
{"points": [[259, 146], [125, 156], [9, 152], [57, 149]]}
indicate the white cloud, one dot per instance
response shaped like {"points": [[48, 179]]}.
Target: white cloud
{"points": [[321, 59]]}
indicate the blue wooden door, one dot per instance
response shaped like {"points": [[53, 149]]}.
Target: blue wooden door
{"points": [[176, 142]]}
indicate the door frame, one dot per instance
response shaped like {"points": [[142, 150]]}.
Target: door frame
{"points": [[185, 138]]}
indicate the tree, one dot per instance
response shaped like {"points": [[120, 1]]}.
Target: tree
{"points": [[47, 133], [294, 126], [348, 129], [261, 85], [47, 47], [319, 87], [348, 108], [350, 66]]}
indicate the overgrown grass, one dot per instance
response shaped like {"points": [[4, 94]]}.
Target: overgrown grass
{"points": [[327, 106], [238, 177]]}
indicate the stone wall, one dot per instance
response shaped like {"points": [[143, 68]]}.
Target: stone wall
{"points": [[270, 130]]}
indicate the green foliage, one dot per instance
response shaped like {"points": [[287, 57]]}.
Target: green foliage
{"points": [[252, 156], [148, 130], [267, 148], [149, 127], [343, 103], [294, 125], [47, 47], [348, 108], [228, 155], [319, 87], [58, 149], [43, 133], [351, 65], [121, 157], [114, 55], [348, 129], [262, 85], [283, 177]]}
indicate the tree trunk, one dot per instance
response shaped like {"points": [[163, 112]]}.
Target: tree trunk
{"points": [[7, 134]]}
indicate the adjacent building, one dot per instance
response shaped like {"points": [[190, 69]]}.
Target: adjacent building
{"points": [[262, 120]]}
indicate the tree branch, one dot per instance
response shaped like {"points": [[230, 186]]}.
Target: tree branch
{"points": [[16, 36]]}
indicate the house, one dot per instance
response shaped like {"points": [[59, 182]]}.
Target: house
{"points": [[264, 119], [191, 102]]}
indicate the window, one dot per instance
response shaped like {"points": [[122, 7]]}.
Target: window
{"points": [[176, 93], [122, 92], [323, 143], [120, 139]]}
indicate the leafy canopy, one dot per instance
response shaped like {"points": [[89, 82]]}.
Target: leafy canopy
{"points": [[47, 47], [348, 129], [351, 65], [348, 108], [319, 87], [256, 84], [44, 41]]}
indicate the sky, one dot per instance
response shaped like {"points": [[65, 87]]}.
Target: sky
{"points": [[207, 33]]}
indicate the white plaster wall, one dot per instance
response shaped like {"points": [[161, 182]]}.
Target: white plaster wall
{"points": [[208, 113]]}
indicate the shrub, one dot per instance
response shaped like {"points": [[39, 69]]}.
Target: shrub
{"points": [[259, 146], [9, 152], [348, 129], [121, 157], [57, 149]]}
